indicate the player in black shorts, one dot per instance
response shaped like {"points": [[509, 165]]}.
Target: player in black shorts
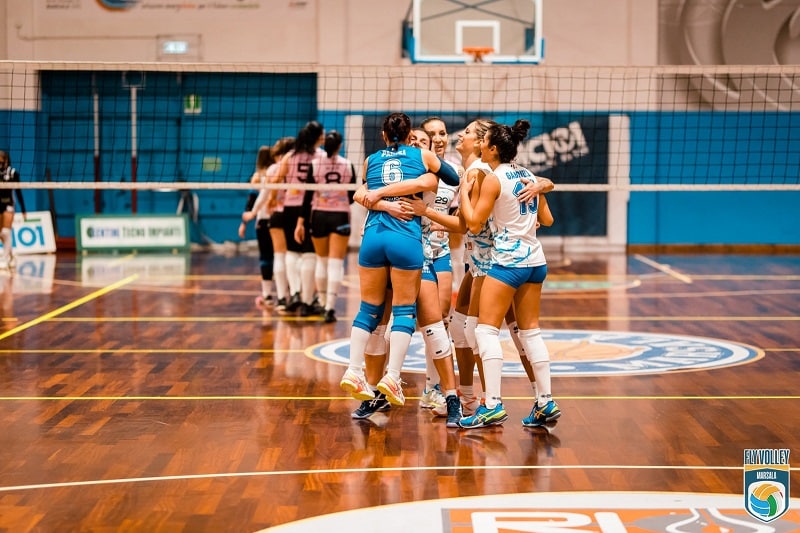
{"points": [[8, 174]]}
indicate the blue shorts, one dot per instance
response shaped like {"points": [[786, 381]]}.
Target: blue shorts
{"points": [[429, 272], [382, 247], [516, 277], [443, 264]]}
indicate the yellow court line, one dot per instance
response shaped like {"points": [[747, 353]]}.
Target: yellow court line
{"points": [[147, 350], [676, 318], [69, 306], [663, 268], [189, 319], [700, 318], [348, 398]]}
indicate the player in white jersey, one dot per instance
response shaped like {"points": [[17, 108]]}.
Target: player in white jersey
{"points": [[446, 195], [438, 274], [329, 213], [518, 270]]}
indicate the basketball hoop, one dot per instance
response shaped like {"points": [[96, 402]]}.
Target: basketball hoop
{"points": [[477, 53]]}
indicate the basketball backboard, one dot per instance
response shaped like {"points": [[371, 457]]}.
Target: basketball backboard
{"points": [[438, 31]]}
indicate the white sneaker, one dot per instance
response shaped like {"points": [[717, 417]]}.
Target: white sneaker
{"points": [[432, 398], [393, 390], [356, 386]]}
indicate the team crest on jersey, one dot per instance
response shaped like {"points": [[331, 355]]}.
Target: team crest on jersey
{"points": [[591, 353]]}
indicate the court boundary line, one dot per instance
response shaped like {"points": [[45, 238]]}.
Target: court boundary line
{"points": [[666, 269], [69, 306], [344, 471]]}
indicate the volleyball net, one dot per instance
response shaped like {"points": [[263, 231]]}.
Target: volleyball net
{"points": [[97, 134]]}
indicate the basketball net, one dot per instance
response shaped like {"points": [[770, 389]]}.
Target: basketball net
{"points": [[477, 54]]}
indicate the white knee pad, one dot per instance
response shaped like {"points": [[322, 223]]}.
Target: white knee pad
{"points": [[437, 343], [488, 338], [458, 326], [469, 332], [535, 349], [376, 344]]}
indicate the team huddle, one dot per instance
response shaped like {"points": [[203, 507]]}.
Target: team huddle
{"points": [[419, 208]]}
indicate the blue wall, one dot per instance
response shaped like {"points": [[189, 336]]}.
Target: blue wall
{"points": [[241, 112]]}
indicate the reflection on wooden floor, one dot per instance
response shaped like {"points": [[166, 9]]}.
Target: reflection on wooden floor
{"points": [[146, 393]]}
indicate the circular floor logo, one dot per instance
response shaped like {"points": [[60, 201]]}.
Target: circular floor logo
{"points": [[591, 353], [604, 512]]}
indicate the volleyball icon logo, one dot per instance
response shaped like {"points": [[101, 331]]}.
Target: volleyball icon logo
{"points": [[766, 501]]}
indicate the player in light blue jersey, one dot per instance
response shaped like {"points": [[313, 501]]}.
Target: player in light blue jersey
{"points": [[391, 249], [516, 275]]}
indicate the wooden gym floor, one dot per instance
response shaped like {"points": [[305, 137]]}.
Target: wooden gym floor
{"points": [[146, 393]]}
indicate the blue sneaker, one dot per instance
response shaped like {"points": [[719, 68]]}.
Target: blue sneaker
{"points": [[542, 415], [367, 408], [453, 411], [485, 417]]}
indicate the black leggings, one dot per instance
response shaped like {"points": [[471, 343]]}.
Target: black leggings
{"points": [[266, 254]]}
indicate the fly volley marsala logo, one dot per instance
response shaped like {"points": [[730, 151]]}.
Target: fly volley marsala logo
{"points": [[592, 353]]}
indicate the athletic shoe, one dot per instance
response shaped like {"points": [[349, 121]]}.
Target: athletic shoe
{"points": [[294, 303], [453, 411], [470, 404], [393, 389], [485, 417], [316, 309], [305, 310], [356, 386], [263, 302], [330, 316], [370, 407], [542, 415], [281, 304], [432, 398], [528, 420]]}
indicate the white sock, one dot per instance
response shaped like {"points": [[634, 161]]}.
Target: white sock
{"points": [[358, 345], [5, 235], [279, 273], [321, 279], [307, 285], [335, 277], [293, 272], [398, 346]]}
